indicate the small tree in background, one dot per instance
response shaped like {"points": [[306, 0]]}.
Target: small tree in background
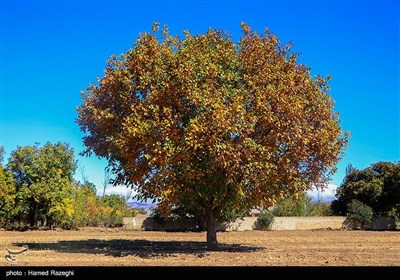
{"points": [[298, 205], [114, 207], [106, 180], [301, 205], [320, 208], [43, 180], [7, 193], [37, 188], [377, 186]]}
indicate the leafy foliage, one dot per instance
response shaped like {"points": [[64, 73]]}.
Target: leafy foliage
{"points": [[204, 122], [43, 180], [359, 212], [320, 208], [292, 206], [88, 209], [264, 220], [37, 188], [7, 196], [377, 186], [301, 205], [114, 210]]}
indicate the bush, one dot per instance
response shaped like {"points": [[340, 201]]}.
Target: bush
{"points": [[394, 212], [264, 220], [359, 212]]}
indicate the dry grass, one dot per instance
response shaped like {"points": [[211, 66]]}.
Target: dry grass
{"points": [[118, 247]]}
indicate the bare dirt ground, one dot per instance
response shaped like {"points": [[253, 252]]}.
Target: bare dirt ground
{"points": [[118, 247]]}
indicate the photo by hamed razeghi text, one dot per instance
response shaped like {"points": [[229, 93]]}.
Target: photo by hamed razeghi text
{"points": [[47, 272]]}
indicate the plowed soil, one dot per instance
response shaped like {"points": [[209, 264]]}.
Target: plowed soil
{"points": [[119, 247]]}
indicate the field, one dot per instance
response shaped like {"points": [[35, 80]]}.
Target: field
{"points": [[118, 247]]}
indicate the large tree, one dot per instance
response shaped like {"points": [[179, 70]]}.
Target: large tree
{"points": [[205, 122]]}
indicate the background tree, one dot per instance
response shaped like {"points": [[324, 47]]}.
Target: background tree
{"points": [[377, 186], [86, 206], [7, 193], [43, 180], [2, 152], [301, 205], [106, 180], [7, 197], [92, 210], [205, 122], [114, 208], [37, 188]]}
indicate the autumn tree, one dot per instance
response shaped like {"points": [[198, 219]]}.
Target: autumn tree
{"points": [[207, 122]]}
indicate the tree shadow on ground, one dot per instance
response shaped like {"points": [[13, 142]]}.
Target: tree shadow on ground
{"points": [[139, 247]]}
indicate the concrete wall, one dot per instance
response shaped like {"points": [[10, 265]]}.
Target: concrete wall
{"points": [[247, 223], [307, 223], [287, 223], [144, 222], [136, 223]]}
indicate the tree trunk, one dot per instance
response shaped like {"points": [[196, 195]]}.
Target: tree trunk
{"points": [[36, 214], [211, 225], [31, 217]]}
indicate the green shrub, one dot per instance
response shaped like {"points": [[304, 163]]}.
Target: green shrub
{"points": [[394, 212], [359, 212], [264, 220]]}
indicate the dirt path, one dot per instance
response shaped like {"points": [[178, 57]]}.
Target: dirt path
{"points": [[117, 247]]}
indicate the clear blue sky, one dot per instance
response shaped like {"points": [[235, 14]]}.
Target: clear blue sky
{"points": [[51, 50]]}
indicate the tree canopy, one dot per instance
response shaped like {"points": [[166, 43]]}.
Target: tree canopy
{"points": [[207, 122], [7, 193], [377, 186], [37, 188], [43, 178]]}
